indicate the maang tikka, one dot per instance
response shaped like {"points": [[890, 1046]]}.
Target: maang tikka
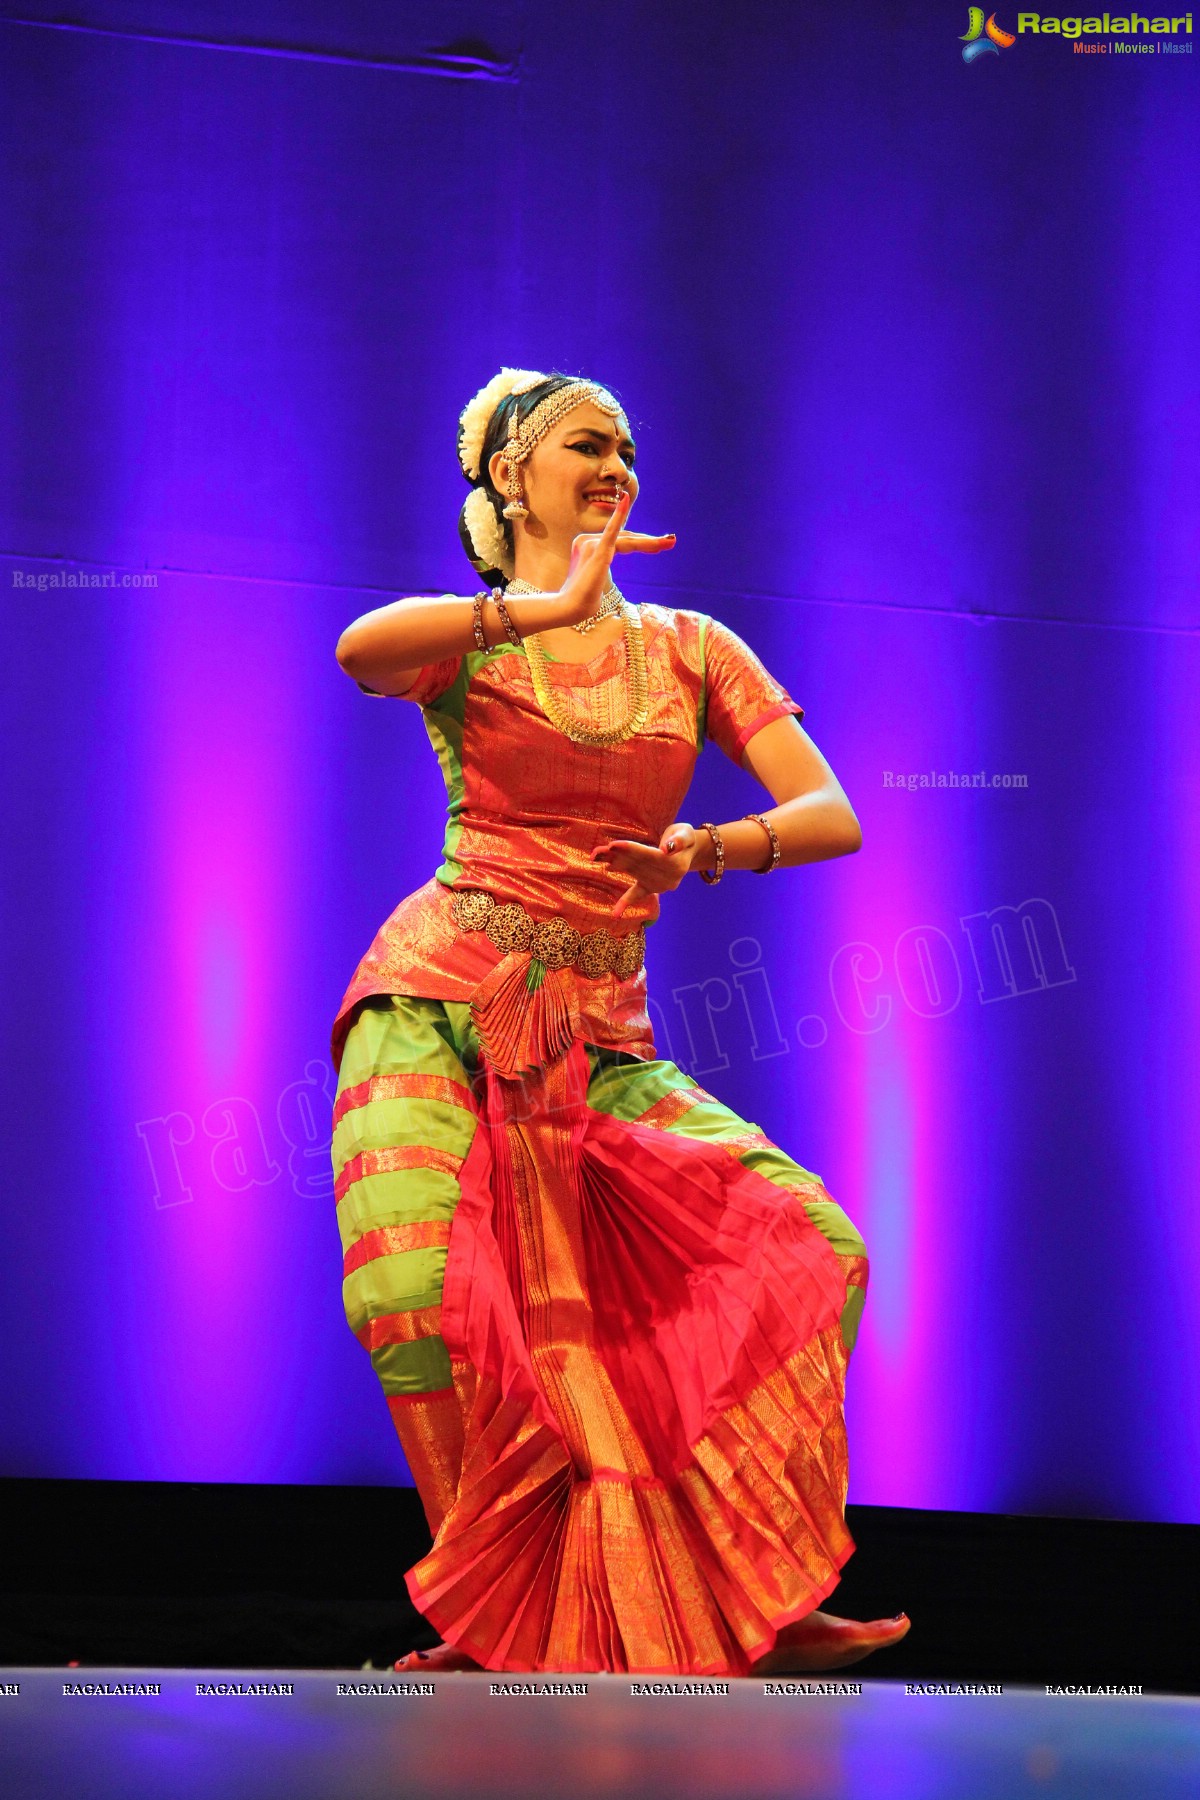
{"points": [[524, 435]]}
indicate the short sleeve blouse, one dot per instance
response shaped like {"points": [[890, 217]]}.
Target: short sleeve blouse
{"points": [[431, 681], [740, 695]]}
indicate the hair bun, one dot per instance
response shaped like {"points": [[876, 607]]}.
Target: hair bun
{"points": [[482, 533]]}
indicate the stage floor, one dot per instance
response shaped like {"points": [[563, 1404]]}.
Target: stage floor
{"points": [[318, 1741]]}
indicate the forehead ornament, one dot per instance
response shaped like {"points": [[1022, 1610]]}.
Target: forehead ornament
{"points": [[526, 434]]}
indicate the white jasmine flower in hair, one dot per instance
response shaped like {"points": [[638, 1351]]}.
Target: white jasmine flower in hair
{"points": [[486, 532], [476, 414]]}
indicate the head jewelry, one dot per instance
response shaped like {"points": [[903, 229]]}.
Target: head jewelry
{"points": [[524, 435]]}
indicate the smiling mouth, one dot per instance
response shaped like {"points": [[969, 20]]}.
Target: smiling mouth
{"points": [[606, 497]]}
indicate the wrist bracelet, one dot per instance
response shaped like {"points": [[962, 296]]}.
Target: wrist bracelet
{"points": [[718, 845], [477, 621], [510, 630], [770, 831]]}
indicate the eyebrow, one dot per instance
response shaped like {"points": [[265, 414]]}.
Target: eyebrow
{"points": [[603, 436]]}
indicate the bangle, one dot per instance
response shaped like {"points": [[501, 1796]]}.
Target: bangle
{"points": [[477, 620], [510, 630], [770, 831], [718, 845]]}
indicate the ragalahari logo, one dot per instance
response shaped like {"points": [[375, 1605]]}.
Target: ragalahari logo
{"points": [[984, 40]]}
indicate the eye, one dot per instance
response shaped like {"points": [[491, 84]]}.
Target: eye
{"points": [[586, 446]]}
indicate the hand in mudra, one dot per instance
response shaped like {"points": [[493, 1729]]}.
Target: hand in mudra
{"points": [[655, 869], [592, 553]]}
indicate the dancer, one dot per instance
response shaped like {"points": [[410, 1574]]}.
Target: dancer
{"points": [[610, 1317]]}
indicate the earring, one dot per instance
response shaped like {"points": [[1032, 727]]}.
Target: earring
{"points": [[516, 508]]}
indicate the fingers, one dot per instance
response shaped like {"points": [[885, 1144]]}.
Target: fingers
{"points": [[591, 553], [653, 871], [623, 853], [634, 891], [612, 530], [612, 854], [610, 537], [643, 542], [589, 542]]}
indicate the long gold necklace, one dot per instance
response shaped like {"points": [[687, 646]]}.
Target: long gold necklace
{"points": [[637, 692]]}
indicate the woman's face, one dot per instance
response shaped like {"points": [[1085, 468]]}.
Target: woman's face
{"points": [[573, 478]]}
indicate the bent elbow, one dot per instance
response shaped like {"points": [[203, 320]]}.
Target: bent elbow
{"points": [[346, 653], [850, 836]]}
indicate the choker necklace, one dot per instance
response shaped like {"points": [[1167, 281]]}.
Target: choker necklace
{"points": [[637, 693], [610, 603]]}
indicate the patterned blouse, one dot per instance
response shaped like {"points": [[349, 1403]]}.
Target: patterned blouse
{"points": [[526, 805]]}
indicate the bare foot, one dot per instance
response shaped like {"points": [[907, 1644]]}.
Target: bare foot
{"points": [[821, 1641], [440, 1661]]}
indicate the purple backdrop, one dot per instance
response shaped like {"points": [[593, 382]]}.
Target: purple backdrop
{"points": [[911, 349]]}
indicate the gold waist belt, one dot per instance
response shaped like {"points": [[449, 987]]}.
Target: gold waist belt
{"points": [[552, 941]]}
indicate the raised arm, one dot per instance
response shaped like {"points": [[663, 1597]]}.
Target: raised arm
{"points": [[387, 648]]}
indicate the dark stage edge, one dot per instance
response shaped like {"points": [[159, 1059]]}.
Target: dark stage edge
{"points": [[211, 1575], [464, 1739]]}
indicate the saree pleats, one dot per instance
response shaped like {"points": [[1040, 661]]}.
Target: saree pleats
{"points": [[620, 1369]]}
